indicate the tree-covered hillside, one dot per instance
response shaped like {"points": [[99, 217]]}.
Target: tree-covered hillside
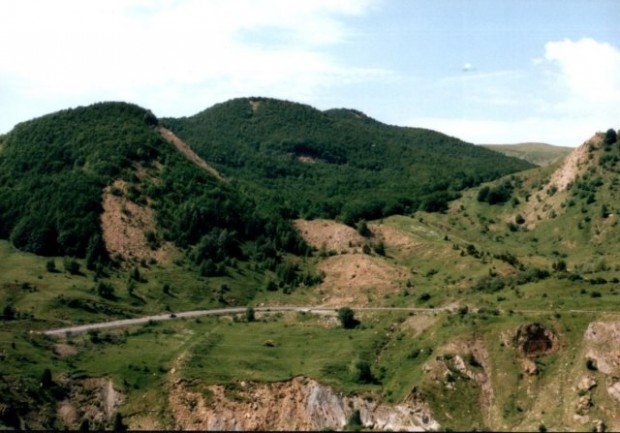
{"points": [[338, 163], [53, 171]]}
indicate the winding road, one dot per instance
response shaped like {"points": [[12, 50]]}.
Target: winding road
{"points": [[71, 330], [220, 312]]}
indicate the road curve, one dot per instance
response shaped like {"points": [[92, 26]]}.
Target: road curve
{"points": [[274, 309], [217, 312]]}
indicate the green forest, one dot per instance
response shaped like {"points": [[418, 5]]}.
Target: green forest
{"points": [[338, 163]]}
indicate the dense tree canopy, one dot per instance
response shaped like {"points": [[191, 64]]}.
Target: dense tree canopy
{"points": [[338, 163]]}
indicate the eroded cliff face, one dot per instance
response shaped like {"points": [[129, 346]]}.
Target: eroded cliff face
{"points": [[297, 404]]}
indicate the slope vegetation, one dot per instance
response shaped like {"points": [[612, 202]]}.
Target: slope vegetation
{"points": [[337, 163]]}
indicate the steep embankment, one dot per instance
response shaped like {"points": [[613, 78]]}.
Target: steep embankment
{"points": [[298, 404]]}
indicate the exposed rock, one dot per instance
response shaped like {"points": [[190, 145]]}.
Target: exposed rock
{"points": [[602, 341], [298, 404], [529, 366], [586, 383], [94, 399], [614, 391], [584, 404]]}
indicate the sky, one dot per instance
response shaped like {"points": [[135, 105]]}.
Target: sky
{"points": [[484, 71]]}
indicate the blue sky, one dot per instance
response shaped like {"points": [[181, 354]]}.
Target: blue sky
{"points": [[484, 71]]}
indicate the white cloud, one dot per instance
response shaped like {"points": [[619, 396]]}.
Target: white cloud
{"points": [[165, 53], [590, 70], [572, 92]]}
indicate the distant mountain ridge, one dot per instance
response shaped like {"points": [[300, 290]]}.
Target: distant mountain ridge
{"points": [[541, 154]]}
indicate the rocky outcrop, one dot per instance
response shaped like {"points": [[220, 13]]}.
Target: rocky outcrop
{"points": [[297, 404], [92, 399], [602, 341]]}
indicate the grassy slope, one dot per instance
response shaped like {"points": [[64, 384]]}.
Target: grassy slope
{"points": [[541, 154]]}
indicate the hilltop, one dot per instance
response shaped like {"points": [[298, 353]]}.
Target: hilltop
{"points": [[541, 154], [335, 164]]}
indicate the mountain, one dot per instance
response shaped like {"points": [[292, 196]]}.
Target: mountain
{"points": [[339, 163], [540, 154], [498, 313]]}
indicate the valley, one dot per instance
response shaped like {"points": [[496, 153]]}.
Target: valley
{"points": [[218, 251]]}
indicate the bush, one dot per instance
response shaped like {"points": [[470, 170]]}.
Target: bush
{"points": [[610, 137], [361, 372], [71, 266], [50, 265], [347, 318], [105, 290], [250, 315], [354, 422], [362, 228]]}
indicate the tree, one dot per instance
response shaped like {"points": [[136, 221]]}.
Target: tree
{"points": [[610, 137], [119, 426], [105, 290], [519, 219], [354, 422], [250, 315], [71, 266], [362, 228], [361, 371], [50, 265], [46, 379], [9, 313], [347, 318]]}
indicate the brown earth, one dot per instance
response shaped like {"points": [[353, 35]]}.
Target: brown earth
{"points": [[392, 236], [124, 225], [534, 340], [329, 235], [297, 404], [351, 279], [182, 147]]}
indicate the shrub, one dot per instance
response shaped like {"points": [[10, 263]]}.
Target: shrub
{"points": [[71, 266], [250, 315], [361, 372], [105, 290], [50, 265], [347, 318]]}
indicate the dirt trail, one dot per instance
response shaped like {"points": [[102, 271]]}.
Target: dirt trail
{"points": [[170, 137]]}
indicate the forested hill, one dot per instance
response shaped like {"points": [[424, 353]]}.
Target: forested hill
{"points": [[54, 169], [335, 164]]}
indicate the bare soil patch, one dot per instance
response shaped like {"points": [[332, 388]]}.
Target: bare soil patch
{"points": [[329, 235], [392, 236], [352, 279], [124, 226]]}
